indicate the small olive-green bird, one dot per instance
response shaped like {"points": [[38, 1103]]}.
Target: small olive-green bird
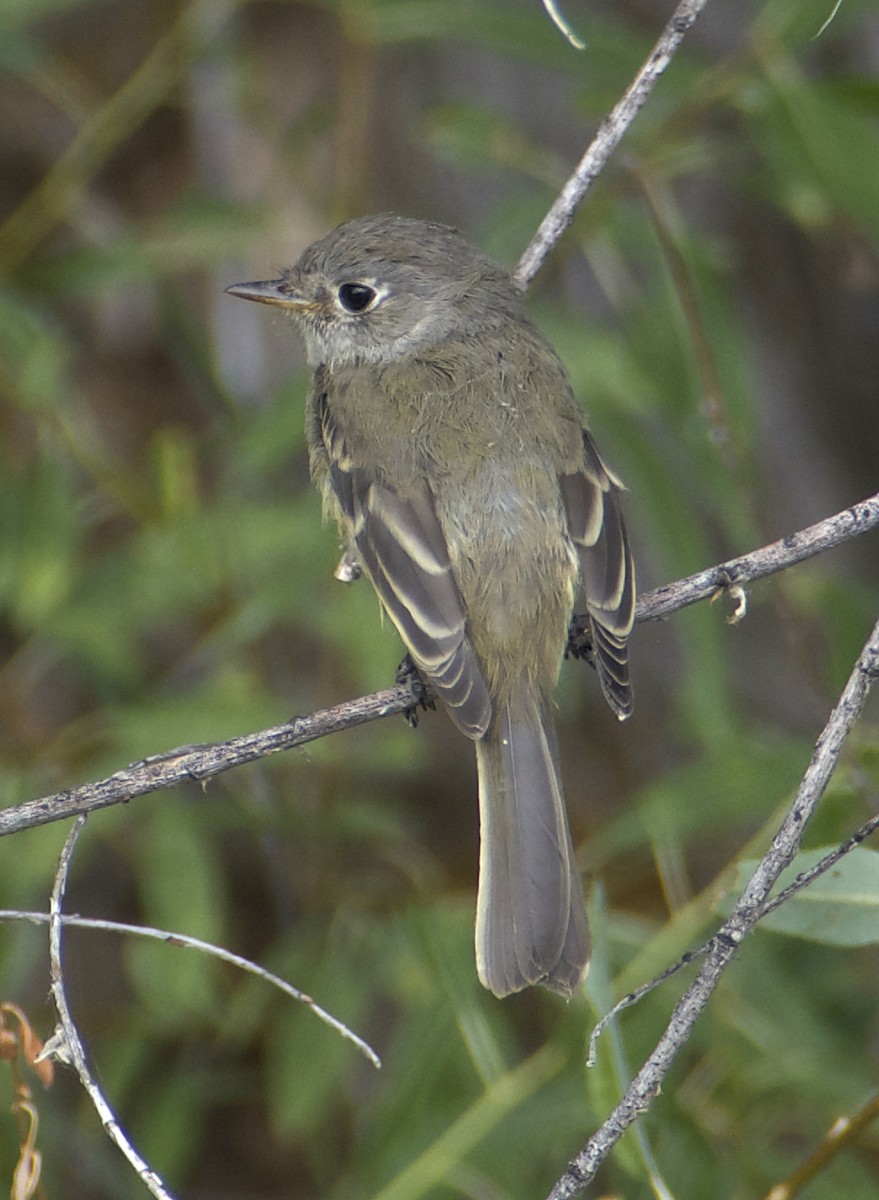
{"points": [[449, 447]]}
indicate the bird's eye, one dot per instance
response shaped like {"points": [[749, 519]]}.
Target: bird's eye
{"points": [[356, 297]]}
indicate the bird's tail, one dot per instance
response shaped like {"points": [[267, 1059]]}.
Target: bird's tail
{"points": [[530, 917]]}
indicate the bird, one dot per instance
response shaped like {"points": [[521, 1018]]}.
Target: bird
{"points": [[449, 447]]}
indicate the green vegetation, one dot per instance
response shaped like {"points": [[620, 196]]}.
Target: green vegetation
{"points": [[164, 579]]}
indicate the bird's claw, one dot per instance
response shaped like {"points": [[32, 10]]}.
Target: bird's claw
{"points": [[407, 674]]}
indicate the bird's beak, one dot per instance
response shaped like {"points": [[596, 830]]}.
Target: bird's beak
{"points": [[274, 291]]}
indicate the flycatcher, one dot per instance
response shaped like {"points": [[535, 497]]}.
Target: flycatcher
{"points": [[449, 447]]}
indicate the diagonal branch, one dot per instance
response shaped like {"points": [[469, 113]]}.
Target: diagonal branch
{"points": [[66, 1044], [203, 761], [606, 140], [748, 910]]}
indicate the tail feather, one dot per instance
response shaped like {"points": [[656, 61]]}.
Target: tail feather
{"points": [[530, 918]]}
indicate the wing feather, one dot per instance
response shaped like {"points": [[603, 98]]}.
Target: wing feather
{"points": [[401, 545], [607, 573]]}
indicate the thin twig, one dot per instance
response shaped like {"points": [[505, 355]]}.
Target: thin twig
{"points": [[172, 938], [802, 881], [748, 910], [562, 25], [606, 140], [637, 996], [201, 762], [805, 878], [68, 1043], [832, 531]]}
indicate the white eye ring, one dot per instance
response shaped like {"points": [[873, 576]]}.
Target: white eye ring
{"points": [[358, 296]]}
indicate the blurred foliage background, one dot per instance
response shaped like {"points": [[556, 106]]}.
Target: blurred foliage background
{"points": [[164, 579]]}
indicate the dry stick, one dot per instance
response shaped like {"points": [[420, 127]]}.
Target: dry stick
{"points": [[66, 1043], [184, 940], [824, 535], [202, 762], [806, 878], [606, 140], [745, 915], [557, 17], [802, 881]]}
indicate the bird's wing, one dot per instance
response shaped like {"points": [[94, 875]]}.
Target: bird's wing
{"points": [[402, 547], [607, 574]]}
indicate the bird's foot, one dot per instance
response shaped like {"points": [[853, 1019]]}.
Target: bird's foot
{"points": [[580, 640], [408, 674]]}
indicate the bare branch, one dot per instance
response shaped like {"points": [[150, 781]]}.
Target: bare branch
{"points": [[748, 910], [802, 881], [606, 140], [805, 878], [66, 1044], [562, 25], [173, 938], [759, 563], [201, 762]]}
